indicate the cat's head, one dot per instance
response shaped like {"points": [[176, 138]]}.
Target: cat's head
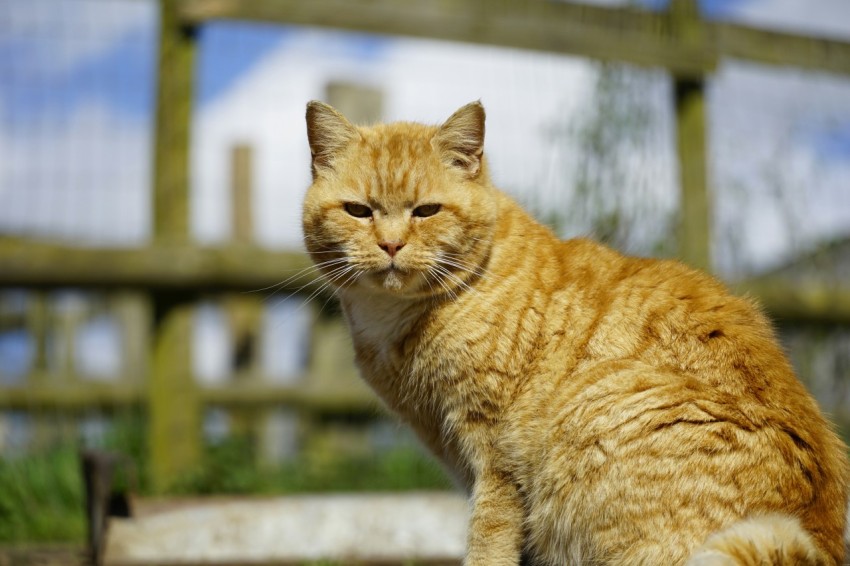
{"points": [[399, 208]]}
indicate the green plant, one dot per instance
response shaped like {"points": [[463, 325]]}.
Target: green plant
{"points": [[41, 497]]}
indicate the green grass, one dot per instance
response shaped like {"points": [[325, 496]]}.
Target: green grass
{"points": [[41, 498], [41, 494], [225, 471]]}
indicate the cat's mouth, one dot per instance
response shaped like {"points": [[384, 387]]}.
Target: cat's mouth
{"points": [[393, 278]]}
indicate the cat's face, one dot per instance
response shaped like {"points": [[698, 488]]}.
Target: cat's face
{"points": [[400, 208]]}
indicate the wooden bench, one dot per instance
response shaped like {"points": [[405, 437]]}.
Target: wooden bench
{"points": [[399, 528]]}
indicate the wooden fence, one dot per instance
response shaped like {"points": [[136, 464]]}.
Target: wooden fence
{"points": [[170, 275]]}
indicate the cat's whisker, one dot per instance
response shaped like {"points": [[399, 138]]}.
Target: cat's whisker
{"points": [[331, 278], [339, 273], [302, 287], [462, 266], [457, 280], [301, 273], [437, 276], [321, 287], [353, 275], [460, 262], [427, 281], [310, 297], [352, 280], [289, 279]]}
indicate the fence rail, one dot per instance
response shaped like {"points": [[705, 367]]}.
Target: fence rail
{"points": [[79, 395], [174, 274], [162, 267], [676, 40]]}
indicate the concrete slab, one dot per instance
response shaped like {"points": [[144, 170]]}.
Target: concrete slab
{"points": [[428, 528]]}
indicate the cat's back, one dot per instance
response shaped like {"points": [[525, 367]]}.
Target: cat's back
{"points": [[674, 382]]}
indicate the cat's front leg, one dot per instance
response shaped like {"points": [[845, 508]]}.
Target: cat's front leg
{"points": [[496, 525]]}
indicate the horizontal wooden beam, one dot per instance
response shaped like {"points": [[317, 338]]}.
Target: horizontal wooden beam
{"points": [[811, 302], [233, 268], [781, 49], [73, 395], [264, 394], [63, 393], [175, 268], [622, 34]]}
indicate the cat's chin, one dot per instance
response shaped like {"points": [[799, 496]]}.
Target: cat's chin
{"points": [[392, 281], [398, 283]]}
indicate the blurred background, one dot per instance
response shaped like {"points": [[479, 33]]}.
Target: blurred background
{"points": [[153, 295]]}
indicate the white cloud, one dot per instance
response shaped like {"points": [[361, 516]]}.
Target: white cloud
{"points": [[61, 35], [822, 17], [776, 194], [92, 179], [85, 179], [421, 80]]}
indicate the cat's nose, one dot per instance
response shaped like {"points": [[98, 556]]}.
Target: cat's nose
{"points": [[391, 247]]}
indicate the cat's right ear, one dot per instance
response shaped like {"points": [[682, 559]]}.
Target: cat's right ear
{"points": [[460, 140], [327, 132]]}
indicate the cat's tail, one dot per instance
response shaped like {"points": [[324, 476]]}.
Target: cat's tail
{"points": [[775, 540]]}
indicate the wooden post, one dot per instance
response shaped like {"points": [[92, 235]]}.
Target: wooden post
{"points": [[37, 324], [244, 312], [36, 320], [174, 406], [695, 208], [133, 312], [359, 103], [242, 165], [174, 400], [689, 96], [173, 120]]}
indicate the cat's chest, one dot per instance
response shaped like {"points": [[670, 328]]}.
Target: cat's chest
{"points": [[379, 330], [403, 349]]}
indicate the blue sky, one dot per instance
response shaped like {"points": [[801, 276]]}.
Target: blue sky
{"points": [[62, 59], [122, 75]]}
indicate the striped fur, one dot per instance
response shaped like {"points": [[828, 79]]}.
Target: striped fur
{"points": [[599, 409]]}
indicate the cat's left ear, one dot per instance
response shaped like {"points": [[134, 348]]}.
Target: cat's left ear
{"points": [[460, 139], [327, 132]]}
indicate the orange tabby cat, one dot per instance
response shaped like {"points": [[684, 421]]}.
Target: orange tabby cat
{"points": [[600, 409]]}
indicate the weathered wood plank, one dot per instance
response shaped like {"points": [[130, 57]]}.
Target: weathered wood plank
{"points": [[241, 174], [365, 529], [624, 34], [317, 401], [813, 302], [235, 267], [199, 270], [782, 49], [133, 313], [173, 118], [175, 408], [37, 324], [695, 206], [71, 394]]}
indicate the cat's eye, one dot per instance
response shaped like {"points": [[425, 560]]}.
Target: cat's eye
{"points": [[426, 210], [358, 210]]}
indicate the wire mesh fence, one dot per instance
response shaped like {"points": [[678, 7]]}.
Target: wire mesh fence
{"points": [[589, 148]]}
